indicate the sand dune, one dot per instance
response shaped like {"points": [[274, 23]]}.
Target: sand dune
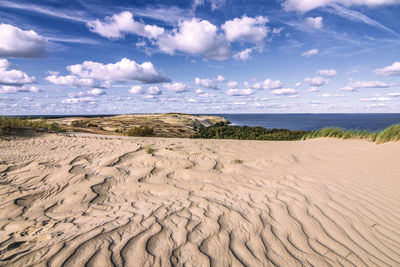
{"points": [[87, 200]]}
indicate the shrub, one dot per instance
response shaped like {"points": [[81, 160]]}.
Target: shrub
{"points": [[9, 123], [149, 150], [140, 131], [237, 161]]}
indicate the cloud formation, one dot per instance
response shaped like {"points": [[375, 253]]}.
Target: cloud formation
{"points": [[307, 5], [393, 70], [284, 91], [240, 92], [246, 29], [19, 43], [176, 87], [355, 85], [116, 26], [14, 77], [198, 37], [314, 23], [206, 83], [327, 73], [310, 52]]}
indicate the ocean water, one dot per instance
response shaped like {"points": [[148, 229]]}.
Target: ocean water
{"points": [[373, 122]]}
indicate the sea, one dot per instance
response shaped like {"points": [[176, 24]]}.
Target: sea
{"points": [[309, 122]]}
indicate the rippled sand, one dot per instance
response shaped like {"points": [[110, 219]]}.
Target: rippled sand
{"points": [[88, 200]]}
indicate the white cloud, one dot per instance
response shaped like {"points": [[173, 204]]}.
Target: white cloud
{"points": [[154, 90], [316, 81], [199, 91], [121, 71], [4, 63], [376, 99], [255, 85], [220, 78], [393, 70], [354, 85], [314, 89], [310, 53], [394, 94], [77, 100], [137, 89], [269, 84], [307, 5], [232, 84], [215, 4], [298, 84], [379, 105], [277, 30], [15, 77], [206, 83], [192, 100], [198, 37], [314, 23], [74, 81], [246, 29], [118, 25], [19, 43], [243, 55], [96, 92], [284, 91], [240, 92], [176, 87], [5, 89], [327, 73]]}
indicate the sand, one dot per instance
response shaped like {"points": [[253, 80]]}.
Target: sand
{"points": [[87, 200]]}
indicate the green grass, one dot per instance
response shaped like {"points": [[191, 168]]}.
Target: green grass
{"points": [[7, 124], [390, 134]]}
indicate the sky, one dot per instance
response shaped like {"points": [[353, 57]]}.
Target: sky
{"points": [[199, 56]]}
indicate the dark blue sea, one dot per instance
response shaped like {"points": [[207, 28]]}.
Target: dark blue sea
{"points": [[373, 122]]}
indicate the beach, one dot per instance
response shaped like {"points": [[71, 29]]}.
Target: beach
{"points": [[83, 199]]}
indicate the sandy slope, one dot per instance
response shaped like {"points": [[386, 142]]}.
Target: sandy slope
{"points": [[83, 200]]}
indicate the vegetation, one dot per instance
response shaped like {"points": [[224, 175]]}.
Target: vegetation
{"points": [[219, 131], [149, 150], [141, 131], [7, 124], [237, 161], [247, 133], [390, 134]]}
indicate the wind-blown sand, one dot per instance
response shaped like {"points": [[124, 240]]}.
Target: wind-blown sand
{"points": [[82, 200]]}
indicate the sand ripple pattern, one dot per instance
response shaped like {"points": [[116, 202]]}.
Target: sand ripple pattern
{"points": [[91, 201]]}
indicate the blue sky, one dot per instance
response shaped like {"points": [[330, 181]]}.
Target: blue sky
{"points": [[201, 56]]}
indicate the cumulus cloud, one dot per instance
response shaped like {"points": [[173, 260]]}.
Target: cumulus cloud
{"points": [[246, 29], [314, 23], [94, 74], [243, 55], [96, 92], [393, 70], [220, 78], [19, 43], [284, 91], [394, 94], [198, 37], [327, 73], [232, 84], [5, 89], [74, 81], [118, 25], [240, 92], [355, 85], [176, 87], [199, 91], [316, 81], [310, 53], [269, 84], [137, 89], [14, 77], [4, 63], [307, 5], [206, 83], [154, 90]]}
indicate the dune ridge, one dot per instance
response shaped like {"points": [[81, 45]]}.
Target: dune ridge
{"points": [[102, 201]]}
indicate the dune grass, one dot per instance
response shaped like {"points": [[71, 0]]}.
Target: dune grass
{"points": [[141, 131], [7, 124], [390, 134]]}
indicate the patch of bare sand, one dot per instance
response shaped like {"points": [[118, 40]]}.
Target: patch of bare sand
{"points": [[82, 200]]}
